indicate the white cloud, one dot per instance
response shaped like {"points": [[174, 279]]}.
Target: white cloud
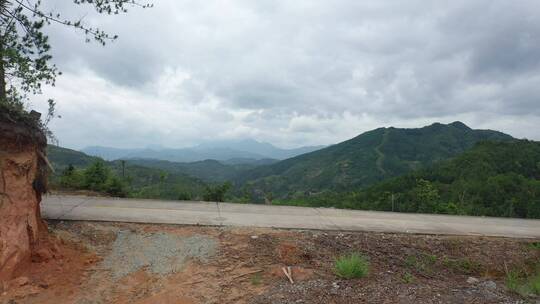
{"points": [[297, 72]]}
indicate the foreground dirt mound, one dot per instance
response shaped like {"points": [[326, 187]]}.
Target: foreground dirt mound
{"points": [[22, 181]]}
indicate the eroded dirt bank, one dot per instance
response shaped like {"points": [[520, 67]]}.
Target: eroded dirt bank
{"points": [[138, 263], [22, 181]]}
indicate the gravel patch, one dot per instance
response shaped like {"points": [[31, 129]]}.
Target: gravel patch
{"points": [[158, 253]]}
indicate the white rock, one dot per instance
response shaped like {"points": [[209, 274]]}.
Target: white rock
{"points": [[472, 280]]}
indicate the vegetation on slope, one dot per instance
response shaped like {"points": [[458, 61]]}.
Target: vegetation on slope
{"points": [[492, 179], [209, 170], [365, 160], [76, 170]]}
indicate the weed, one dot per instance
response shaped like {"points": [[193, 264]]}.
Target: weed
{"points": [[534, 284], [464, 265], [408, 278], [423, 263], [534, 245], [352, 266], [512, 281], [522, 283], [256, 279]]}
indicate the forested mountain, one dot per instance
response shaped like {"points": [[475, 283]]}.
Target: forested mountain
{"points": [[206, 170], [63, 157], [366, 159], [442, 169], [493, 179]]}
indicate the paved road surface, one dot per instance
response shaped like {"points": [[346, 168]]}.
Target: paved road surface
{"points": [[226, 214]]}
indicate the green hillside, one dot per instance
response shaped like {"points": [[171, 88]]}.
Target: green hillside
{"points": [[60, 158], [206, 170], [364, 160], [75, 171], [492, 179]]}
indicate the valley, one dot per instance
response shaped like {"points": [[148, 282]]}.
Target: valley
{"points": [[448, 169]]}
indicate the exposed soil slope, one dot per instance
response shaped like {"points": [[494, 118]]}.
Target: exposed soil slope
{"points": [[22, 181]]}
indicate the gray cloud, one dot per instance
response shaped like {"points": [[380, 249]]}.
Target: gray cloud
{"points": [[298, 72]]}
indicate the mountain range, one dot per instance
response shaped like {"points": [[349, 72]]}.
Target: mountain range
{"points": [[440, 168], [356, 163], [236, 151]]}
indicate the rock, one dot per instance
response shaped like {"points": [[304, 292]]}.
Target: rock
{"points": [[490, 285], [472, 280], [254, 237], [335, 285]]}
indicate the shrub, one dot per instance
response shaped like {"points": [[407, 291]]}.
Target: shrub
{"points": [[96, 175], [216, 193], [184, 196], [71, 178], [352, 266], [115, 187]]}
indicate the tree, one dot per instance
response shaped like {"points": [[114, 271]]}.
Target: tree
{"points": [[426, 196], [24, 67], [25, 50], [96, 175]]}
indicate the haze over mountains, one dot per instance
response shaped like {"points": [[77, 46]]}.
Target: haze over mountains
{"points": [[232, 151]]}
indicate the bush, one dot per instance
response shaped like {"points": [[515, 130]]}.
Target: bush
{"points": [[216, 193], [184, 196], [115, 187], [352, 266], [96, 176], [71, 178]]}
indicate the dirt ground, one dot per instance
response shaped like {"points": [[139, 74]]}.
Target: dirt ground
{"points": [[136, 263]]}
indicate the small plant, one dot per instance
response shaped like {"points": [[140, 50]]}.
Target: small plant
{"points": [[351, 266], [408, 278], [534, 284], [523, 284], [256, 279], [423, 263], [512, 281], [534, 245], [465, 265]]}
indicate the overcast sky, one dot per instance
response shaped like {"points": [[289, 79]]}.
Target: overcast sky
{"points": [[294, 73]]}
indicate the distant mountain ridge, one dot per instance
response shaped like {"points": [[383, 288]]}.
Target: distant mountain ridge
{"points": [[236, 150], [366, 159]]}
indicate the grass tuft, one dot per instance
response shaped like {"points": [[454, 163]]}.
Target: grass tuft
{"points": [[352, 266], [408, 278], [523, 284], [534, 245], [423, 263]]}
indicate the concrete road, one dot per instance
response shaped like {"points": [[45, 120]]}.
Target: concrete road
{"points": [[227, 214]]}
